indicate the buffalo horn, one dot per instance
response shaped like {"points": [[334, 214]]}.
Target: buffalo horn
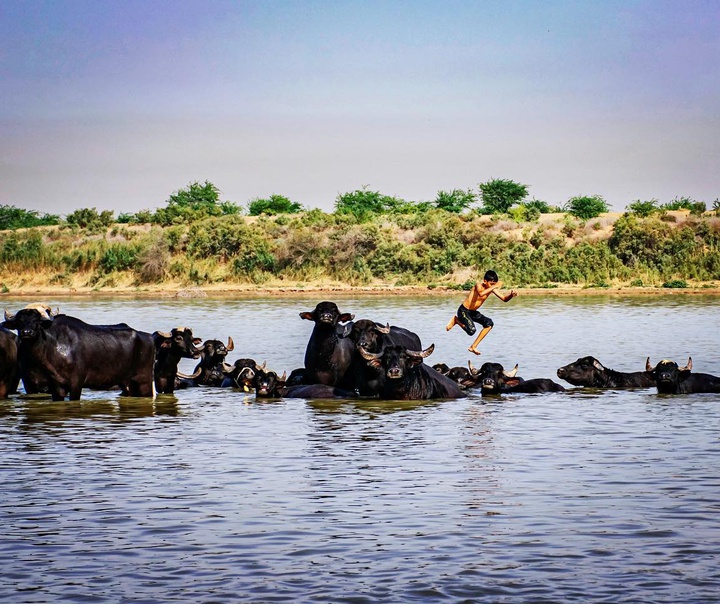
{"points": [[598, 365], [368, 356], [246, 372], [230, 345], [472, 369], [197, 373], [164, 334], [227, 368], [648, 366], [284, 376], [512, 373], [687, 367], [423, 353], [383, 329]]}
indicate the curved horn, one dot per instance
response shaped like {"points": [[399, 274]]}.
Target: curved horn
{"points": [[512, 373], [687, 367], [598, 365], [227, 368], [422, 354], [472, 369], [369, 356], [55, 313], [230, 345], [9, 317], [648, 366], [284, 376], [383, 329], [192, 376], [164, 334], [246, 372]]}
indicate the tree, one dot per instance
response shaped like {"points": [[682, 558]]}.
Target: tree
{"points": [[194, 202], [17, 218], [454, 201], [275, 204], [498, 194], [363, 203], [586, 206]]}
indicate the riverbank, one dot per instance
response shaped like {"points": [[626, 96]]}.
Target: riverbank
{"points": [[342, 290]]}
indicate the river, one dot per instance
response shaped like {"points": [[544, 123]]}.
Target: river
{"points": [[212, 496]]}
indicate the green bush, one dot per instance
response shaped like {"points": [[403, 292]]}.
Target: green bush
{"points": [[194, 202], [675, 283], [643, 209], [90, 218], [364, 204], [586, 206], [275, 204]]}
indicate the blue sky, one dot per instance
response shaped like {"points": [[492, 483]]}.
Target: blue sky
{"points": [[117, 104]]}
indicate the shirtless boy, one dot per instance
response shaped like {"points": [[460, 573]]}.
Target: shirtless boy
{"points": [[468, 312]]}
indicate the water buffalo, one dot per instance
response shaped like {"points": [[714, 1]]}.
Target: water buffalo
{"points": [[588, 371], [9, 376], [209, 371], [671, 379], [493, 379], [62, 354], [240, 374], [374, 337], [329, 351], [267, 384], [408, 377], [170, 348]]}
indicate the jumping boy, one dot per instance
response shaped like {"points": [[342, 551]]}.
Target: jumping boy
{"points": [[468, 312]]}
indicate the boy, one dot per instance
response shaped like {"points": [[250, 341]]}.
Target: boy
{"points": [[468, 310]]}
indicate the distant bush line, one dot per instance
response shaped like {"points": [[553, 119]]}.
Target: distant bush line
{"points": [[369, 238], [433, 248]]}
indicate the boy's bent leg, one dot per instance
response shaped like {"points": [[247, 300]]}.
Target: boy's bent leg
{"points": [[451, 324], [485, 331]]}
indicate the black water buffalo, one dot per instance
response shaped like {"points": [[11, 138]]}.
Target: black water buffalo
{"points": [[493, 379], [329, 351], [209, 371], [671, 379], [408, 377], [9, 376], [62, 355], [588, 371], [170, 348], [240, 374], [267, 384], [374, 337]]}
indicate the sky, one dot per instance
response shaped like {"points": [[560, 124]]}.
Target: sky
{"points": [[116, 104]]}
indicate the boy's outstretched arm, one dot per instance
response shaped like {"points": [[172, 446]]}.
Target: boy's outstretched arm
{"points": [[507, 297]]}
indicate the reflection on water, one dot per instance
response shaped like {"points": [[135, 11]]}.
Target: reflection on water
{"points": [[212, 496]]}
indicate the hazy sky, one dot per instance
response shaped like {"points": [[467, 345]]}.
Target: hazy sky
{"points": [[116, 104]]}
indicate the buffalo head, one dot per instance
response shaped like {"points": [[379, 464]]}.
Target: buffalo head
{"points": [[396, 360]]}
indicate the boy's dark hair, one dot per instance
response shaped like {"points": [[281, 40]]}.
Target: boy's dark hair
{"points": [[491, 277]]}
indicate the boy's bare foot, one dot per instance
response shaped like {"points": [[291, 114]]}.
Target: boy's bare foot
{"points": [[451, 324], [477, 352]]}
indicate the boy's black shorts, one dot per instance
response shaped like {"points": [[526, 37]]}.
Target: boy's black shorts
{"points": [[467, 319]]}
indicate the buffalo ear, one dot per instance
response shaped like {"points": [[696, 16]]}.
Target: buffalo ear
{"points": [[197, 341], [512, 382], [345, 317], [308, 316]]}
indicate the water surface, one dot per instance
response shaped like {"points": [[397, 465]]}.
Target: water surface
{"points": [[211, 496]]}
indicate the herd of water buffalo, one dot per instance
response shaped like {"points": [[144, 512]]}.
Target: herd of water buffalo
{"points": [[60, 355]]}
